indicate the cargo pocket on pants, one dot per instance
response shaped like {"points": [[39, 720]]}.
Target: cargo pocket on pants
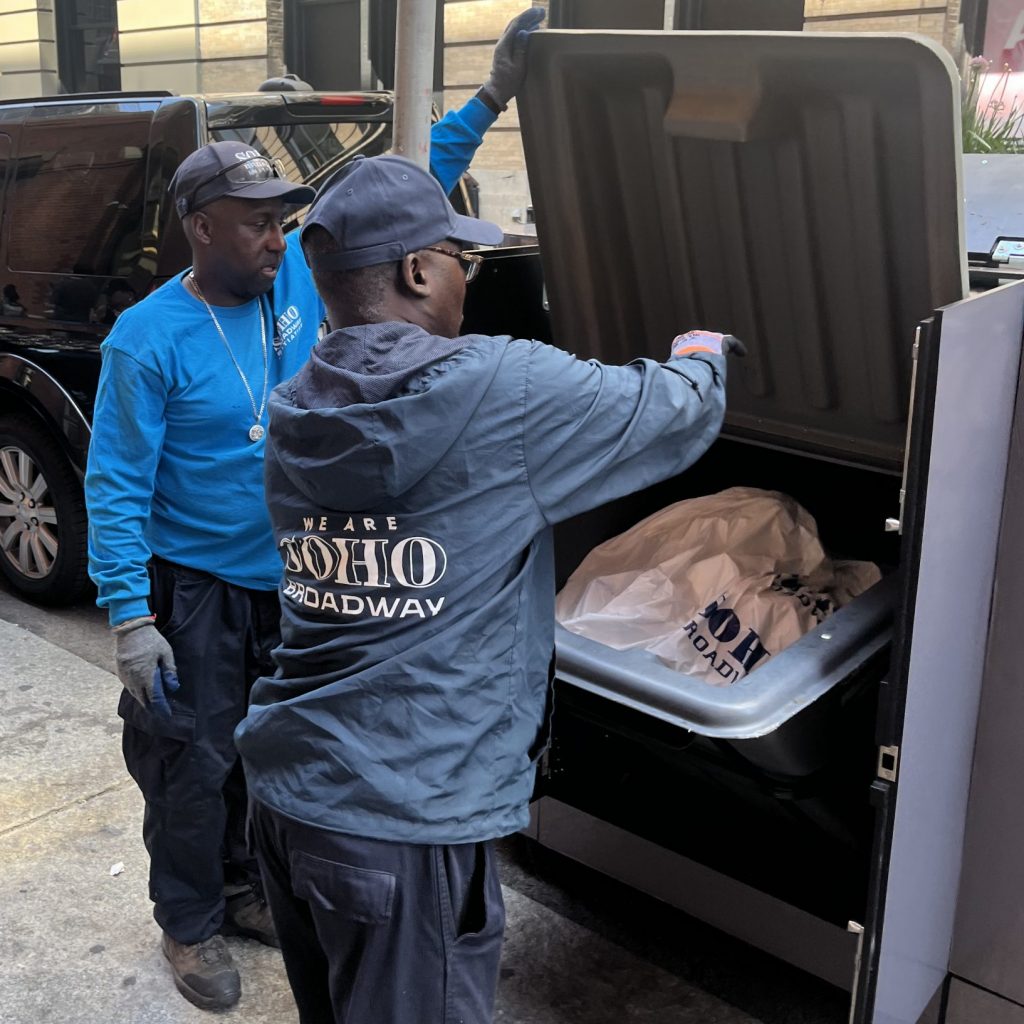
{"points": [[473, 915], [357, 894], [180, 724]]}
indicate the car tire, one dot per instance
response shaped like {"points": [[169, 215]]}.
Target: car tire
{"points": [[43, 532]]}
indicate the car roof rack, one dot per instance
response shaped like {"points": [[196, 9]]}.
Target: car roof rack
{"points": [[73, 97]]}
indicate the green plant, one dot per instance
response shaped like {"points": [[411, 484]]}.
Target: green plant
{"points": [[990, 125]]}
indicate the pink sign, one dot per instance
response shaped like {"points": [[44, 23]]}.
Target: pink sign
{"points": [[1002, 89], [1004, 35]]}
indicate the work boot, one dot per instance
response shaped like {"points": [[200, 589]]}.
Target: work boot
{"points": [[204, 972], [246, 913]]}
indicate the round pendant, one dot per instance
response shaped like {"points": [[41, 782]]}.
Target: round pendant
{"points": [[256, 432]]}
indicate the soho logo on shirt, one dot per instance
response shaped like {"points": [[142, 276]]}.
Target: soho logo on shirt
{"points": [[362, 552], [289, 323]]}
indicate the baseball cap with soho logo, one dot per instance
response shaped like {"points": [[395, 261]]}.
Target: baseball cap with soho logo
{"points": [[379, 209], [231, 169]]}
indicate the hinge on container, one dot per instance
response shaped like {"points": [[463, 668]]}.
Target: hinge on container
{"points": [[888, 763], [894, 525], [855, 929], [1009, 251]]}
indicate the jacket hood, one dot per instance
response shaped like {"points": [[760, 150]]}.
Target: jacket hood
{"points": [[374, 410]]}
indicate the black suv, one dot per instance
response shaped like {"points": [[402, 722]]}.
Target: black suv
{"points": [[87, 228]]}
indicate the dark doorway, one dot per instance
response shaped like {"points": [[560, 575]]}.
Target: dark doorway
{"points": [[714, 15], [323, 43], [638, 14], [88, 58], [972, 14], [383, 21], [740, 15]]}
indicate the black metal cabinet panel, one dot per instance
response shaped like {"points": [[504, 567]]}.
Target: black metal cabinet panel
{"points": [[943, 632], [971, 1005], [988, 947]]}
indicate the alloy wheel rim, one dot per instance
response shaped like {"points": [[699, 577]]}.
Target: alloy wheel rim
{"points": [[28, 520]]}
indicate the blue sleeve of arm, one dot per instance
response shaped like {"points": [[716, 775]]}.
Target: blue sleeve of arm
{"points": [[127, 437], [455, 138], [593, 433]]}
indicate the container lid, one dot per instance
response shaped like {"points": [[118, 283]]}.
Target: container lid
{"points": [[798, 190]]}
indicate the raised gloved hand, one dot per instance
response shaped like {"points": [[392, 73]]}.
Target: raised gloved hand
{"points": [[707, 341], [145, 664], [508, 66]]}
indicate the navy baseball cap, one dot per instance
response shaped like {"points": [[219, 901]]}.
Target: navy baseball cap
{"points": [[231, 169], [379, 209]]}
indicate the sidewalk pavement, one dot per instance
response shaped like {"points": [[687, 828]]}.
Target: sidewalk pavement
{"points": [[78, 943]]}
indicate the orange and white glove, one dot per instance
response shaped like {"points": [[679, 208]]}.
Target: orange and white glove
{"points": [[695, 342]]}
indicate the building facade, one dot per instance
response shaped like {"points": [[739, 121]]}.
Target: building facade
{"points": [[49, 47], [53, 46]]}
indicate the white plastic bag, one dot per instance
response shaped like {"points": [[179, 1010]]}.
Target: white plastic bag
{"points": [[713, 586]]}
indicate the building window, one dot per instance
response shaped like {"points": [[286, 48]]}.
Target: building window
{"points": [[87, 53]]}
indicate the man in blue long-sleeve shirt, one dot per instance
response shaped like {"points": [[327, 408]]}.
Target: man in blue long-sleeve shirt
{"points": [[180, 544]]}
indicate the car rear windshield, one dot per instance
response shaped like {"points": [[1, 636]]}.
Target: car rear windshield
{"points": [[311, 152], [81, 172]]}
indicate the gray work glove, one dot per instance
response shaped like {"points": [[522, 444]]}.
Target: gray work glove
{"points": [[508, 66], [145, 664]]}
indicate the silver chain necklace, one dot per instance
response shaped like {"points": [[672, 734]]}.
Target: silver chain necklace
{"points": [[256, 431]]}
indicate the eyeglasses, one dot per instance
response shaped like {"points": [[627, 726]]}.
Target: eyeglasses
{"points": [[470, 260], [243, 173]]}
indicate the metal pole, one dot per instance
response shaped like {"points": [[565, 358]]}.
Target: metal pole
{"points": [[414, 79], [365, 67]]}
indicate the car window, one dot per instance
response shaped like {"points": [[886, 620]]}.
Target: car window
{"points": [[78, 192], [311, 152], [10, 299]]}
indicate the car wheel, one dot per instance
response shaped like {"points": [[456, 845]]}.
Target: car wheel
{"points": [[42, 515]]}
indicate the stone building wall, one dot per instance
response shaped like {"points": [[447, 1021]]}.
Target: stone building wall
{"points": [[275, 37], [28, 49], [938, 19], [180, 45], [197, 45]]}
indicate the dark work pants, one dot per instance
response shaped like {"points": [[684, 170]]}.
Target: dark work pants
{"points": [[382, 933], [187, 767]]}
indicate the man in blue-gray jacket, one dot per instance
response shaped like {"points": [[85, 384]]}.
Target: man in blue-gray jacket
{"points": [[180, 545], [413, 476]]}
